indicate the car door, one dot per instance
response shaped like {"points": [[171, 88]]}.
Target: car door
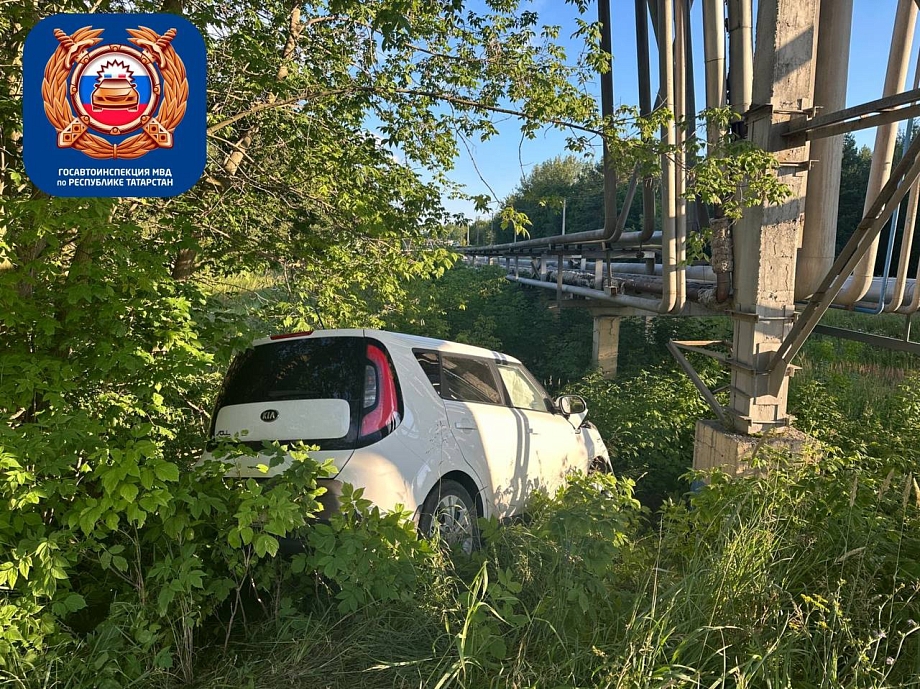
{"points": [[553, 449], [488, 432]]}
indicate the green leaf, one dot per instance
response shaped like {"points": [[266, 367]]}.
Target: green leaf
{"points": [[74, 602], [128, 491], [166, 471]]}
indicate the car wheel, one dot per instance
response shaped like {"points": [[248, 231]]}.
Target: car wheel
{"points": [[449, 514]]}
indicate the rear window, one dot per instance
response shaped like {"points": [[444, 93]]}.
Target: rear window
{"points": [[312, 368]]}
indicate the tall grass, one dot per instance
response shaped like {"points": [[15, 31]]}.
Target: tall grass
{"points": [[807, 576]]}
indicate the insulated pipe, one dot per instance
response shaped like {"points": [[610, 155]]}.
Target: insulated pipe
{"points": [[680, 132], [714, 57], [701, 273], [614, 235], [883, 154], [610, 180], [914, 304], [819, 231], [714, 52], [741, 55], [907, 239], [672, 272], [624, 300], [645, 108], [907, 236]]}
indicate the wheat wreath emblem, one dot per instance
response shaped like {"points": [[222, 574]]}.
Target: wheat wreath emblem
{"points": [[74, 125]]}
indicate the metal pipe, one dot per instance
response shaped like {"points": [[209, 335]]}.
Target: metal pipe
{"points": [[819, 231], [680, 134], [741, 55], [714, 51], [624, 300], [615, 235], [885, 136], [672, 294], [645, 108], [905, 173], [628, 241], [700, 273], [876, 308], [714, 57], [907, 236], [914, 304], [607, 163]]}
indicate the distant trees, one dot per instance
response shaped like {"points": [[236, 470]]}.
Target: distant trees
{"points": [[564, 183], [854, 176], [577, 185]]}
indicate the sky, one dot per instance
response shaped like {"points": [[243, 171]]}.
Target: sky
{"points": [[505, 159]]}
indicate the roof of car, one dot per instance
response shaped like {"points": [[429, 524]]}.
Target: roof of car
{"points": [[386, 336]]}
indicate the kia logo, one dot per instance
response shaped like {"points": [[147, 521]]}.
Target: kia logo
{"points": [[269, 415]]}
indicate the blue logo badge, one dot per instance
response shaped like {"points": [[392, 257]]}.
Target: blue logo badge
{"points": [[114, 105]]}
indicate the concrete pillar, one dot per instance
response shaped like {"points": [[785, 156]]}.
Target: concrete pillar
{"points": [[766, 238], [606, 344], [734, 453]]}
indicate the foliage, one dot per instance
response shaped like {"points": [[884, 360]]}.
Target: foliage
{"points": [[568, 183], [647, 423], [480, 307], [368, 556], [164, 546], [735, 174], [854, 177]]}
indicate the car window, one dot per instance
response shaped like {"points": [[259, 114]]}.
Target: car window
{"points": [[304, 369], [469, 380], [429, 363], [524, 393]]}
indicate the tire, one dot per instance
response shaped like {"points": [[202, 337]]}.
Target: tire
{"points": [[449, 515]]}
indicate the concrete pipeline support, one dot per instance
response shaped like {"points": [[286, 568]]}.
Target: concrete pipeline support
{"points": [[883, 154], [818, 241], [766, 238]]}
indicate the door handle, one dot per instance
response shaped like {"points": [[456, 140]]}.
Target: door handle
{"points": [[465, 425]]}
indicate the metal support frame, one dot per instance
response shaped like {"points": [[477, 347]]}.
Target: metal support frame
{"points": [[902, 178], [863, 116], [892, 343], [699, 346]]}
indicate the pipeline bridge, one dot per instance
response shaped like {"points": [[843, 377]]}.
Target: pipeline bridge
{"points": [[775, 271]]}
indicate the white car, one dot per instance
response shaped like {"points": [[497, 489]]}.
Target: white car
{"points": [[447, 430]]}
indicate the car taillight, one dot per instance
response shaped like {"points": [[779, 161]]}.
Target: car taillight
{"points": [[380, 400]]}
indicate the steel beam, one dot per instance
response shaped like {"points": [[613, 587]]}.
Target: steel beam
{"points": [[857, 111], [892, 343], [902, 178]]}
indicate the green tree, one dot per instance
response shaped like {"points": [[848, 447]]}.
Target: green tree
{"points": [[115, 316], [854, 177], [564, 182]]}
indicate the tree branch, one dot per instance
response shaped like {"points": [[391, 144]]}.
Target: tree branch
{"points": [[436, 95]]}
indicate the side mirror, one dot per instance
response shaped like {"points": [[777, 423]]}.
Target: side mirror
{"points": [[572, 405]]}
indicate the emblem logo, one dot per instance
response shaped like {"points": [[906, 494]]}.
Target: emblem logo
{"points": [[114, 105], [115, 90], [269, 415]]}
